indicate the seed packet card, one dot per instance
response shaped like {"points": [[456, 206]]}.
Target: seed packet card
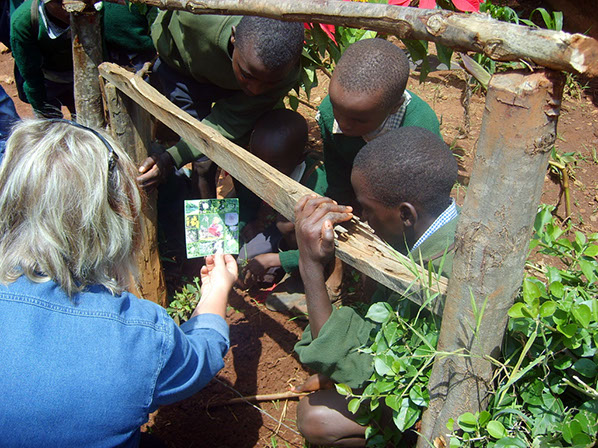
{"points": [[212, 226]]}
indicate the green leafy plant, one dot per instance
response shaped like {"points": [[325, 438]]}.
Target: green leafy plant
{"points": [[185, 301], [546, 396], [546, 383]]}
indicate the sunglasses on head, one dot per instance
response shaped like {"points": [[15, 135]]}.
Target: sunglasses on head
{"points": [[112, 157]]}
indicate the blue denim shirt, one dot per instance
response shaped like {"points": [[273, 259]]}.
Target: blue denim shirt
{"points": [[86, 372]]}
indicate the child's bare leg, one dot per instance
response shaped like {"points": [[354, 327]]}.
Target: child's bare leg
{"points": [[323, 419]]}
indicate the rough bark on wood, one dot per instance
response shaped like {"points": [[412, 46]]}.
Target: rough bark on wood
{"points": [[87, 55], [131, 127], [463, 32], [493, 235], [357, 246]]}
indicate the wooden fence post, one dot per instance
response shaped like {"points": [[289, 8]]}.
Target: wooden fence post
{"points": [[493, 235], [87, 56], [131, 127]]}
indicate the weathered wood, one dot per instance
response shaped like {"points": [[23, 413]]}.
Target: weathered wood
{"points": [[358, 246], [131, 127], [87, 55], [464, 32], [493, 235]]}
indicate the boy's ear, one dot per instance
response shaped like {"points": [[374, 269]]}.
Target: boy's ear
{"points": [[408, 214], [233, 30]]}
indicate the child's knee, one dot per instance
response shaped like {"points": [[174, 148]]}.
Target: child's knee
{"points": [[313, 422]]}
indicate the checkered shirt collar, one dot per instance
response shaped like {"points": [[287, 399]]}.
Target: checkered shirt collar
{"points": [[393, 121], [445, 217]]}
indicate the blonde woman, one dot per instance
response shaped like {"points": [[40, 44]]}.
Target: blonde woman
{"points": [[82, 361]]}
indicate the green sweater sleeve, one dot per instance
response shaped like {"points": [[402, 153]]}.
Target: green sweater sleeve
{"points": [[28, 55], [125, 27], [289, 260], [335, 352]]}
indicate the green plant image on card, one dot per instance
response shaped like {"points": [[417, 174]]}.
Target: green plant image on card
{"points": [[211, 226]]}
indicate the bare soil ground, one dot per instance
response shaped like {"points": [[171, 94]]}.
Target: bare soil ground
{"points": [[261, 359]]}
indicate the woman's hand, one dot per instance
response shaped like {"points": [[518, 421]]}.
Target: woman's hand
{"points": [[217, 278]]}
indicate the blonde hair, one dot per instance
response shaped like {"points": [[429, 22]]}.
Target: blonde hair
{"points": [[64, 215]]}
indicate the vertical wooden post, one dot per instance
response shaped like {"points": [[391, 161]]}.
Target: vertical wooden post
{"points": [[493, 235], [87, 56], [131, 127]]}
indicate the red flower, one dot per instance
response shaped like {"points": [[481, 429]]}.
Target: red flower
{"points": [[461, 5]]}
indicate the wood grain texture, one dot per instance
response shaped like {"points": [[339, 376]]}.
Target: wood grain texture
{"points": [[131, 127], [500, 41], [356, 244]]}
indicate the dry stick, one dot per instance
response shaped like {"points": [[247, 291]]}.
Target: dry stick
{"points": [[357, 246], [306, 103], [283, 414], [563, 169], [257, 407], [257, 398], [480, 33]]}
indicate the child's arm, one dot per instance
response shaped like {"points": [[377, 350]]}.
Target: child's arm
{"points": [[257, 267], [314, 221]]}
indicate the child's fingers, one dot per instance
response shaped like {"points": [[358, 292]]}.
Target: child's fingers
{"points": [[301, 203]]}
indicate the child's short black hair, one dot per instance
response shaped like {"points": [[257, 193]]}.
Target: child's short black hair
{"points": [[285, 122], [374, 65], [409, 164], [276, 43]]}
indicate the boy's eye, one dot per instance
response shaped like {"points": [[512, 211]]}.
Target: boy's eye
{"points": [[245, 75]]}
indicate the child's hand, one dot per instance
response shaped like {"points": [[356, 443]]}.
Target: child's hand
{"points": [[154, 170], [315, 218], [217, 278], [257, 267], [314, 383]]}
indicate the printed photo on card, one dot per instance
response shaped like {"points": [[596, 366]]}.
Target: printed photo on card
{"points": [[211, 227]]}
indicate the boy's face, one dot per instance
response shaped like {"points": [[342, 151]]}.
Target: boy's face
{"points": [[357, 114], [253, 77], [385, 221]]}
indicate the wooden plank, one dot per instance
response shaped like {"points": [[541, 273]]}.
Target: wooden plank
{"points": [[131, 127], [500, 41], [356, 245], [492, 242]]}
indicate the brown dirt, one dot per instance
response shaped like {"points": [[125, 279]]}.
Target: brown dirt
{"points": [[261, 359]]}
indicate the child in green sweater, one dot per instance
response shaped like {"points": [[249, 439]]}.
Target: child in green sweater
{"points": [[367, 98], [279, 139], [41, 46], [224, 70], [402, 182]]}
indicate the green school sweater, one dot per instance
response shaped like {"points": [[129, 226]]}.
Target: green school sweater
{"points": [[249, 204], [198, 47], [34, 51], [335, 352], [340, 150]]}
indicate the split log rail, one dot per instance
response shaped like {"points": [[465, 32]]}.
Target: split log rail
{"points": [[497, 217]]}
